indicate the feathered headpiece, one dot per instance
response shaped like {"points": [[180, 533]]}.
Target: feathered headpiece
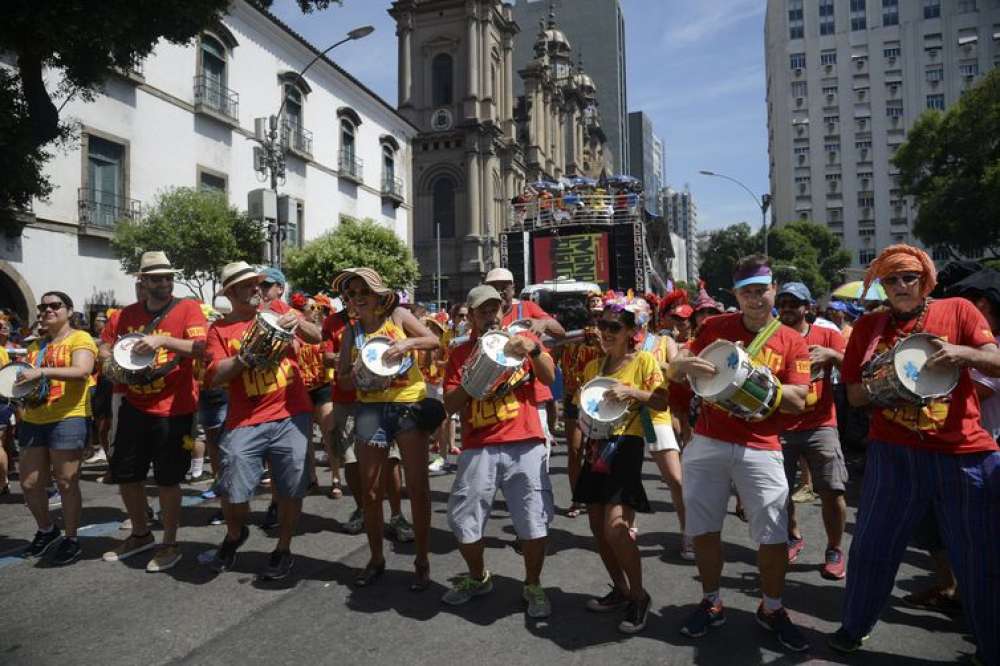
{"points": [[619, 302]]}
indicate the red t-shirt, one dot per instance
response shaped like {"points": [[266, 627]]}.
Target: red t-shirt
{"points": [[112, 321], [175, 394], [510, 419], [276, 306], [819, 411], [786, 354], [256, 395], [333, 333], [948, 425], [529, 310]]}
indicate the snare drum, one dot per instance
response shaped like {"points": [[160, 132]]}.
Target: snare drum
{"points": [[371, 372], [600, 416], [898, 376], [126, 365], [265, 342], [519, 326], [30, 394], [489, 368], [741, 386]]}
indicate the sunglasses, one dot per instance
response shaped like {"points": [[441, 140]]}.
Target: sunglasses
{"points": [[159, 278], [610, 326], [42, 307], [905, 279], [266, 285]]}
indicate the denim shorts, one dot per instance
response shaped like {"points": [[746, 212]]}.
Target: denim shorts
{"points": [[69, 434], [212, 409], [378, 423], [283, 443]]}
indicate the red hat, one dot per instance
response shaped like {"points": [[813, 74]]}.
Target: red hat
{"points": [[683, 311]]}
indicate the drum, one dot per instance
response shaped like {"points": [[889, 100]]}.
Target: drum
{"points": [[127, 366], [31, 394], [371, 372], [519, 326], [742, 386], [265, 342], [600, 416], [489, 368], [898, 376]]}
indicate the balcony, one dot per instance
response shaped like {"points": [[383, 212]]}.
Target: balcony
{"points": [[392, 188], [297, 139], [104, 209], [134, 71], [350, 166], [214, 99]]}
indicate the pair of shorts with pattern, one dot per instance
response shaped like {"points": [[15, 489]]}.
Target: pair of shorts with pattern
{"points": [[283, 443], [712, 466], [69, 434], [142, 439], [821, 448], [379, 423], [519, 471]]}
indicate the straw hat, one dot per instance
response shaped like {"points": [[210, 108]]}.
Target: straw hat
{"points": [[236, 272], [155, 263], [369, 275]]}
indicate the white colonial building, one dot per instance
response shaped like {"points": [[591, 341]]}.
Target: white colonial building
{"points": [[185, 117]]}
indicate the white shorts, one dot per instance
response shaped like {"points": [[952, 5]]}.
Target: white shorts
{"points": [[665, 438], [711, 465]]}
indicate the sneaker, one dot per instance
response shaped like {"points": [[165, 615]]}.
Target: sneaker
{"points": [[356, 523], [611, 601], [211, 493], [687, 548], [635, 616], [538, 604], [55, 499], [466, 588], [401, 529], [834, 566], [704, 617], [795, 547], [129, 547], [270, 520], [165, 558], [42, 542], [98, 456], [126, 525], [217, 518], [841, 641], [225, 557], [436, 466], [779, 622], [279, 565], [67, 552], [803, 494], [265, 479], [204, 477]]}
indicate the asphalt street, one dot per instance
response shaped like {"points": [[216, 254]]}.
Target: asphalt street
{"points": [[95, 612]]}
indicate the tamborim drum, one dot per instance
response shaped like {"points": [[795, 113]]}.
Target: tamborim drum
{"points": [[265, 342], [898, 376], [489, 368], [126, 365], [519, 326], [371, 372], [600, 416], [31, 393], [741, 386]]}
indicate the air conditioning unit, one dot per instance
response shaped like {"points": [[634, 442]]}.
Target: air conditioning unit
{"points": [[864, 152], [831, 126], [799, 101], [829, 97], [802, 187], [802, 158], [866, 182], [800, 128], [894, 89], [860, 62], [798, 71], [892, 60], [828, 68], [833, 156]]}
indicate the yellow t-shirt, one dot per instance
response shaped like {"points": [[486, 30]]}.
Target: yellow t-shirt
{"points": [[67, 398], [4, 357], [407, 388], [642, 372]]}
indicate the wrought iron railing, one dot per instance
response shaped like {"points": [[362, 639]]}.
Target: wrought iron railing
{"points": [[214, 96], [103, 209], [350, 165], [392, 186], [297, 138], [570, 208]]}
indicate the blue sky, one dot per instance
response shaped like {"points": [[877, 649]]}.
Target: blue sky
{"points": [[697, 69]]}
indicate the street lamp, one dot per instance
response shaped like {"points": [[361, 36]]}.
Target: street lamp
{"points": [[763, 204], [269, 158]]}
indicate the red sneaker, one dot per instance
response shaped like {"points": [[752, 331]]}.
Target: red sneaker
{"points": [[835, 565], [795, 547]]}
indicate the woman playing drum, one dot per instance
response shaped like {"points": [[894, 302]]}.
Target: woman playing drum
{"points": [[610, 483], [54, 430], [400, 412]]}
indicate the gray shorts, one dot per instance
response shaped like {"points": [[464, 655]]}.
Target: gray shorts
{"points": [[518, 470], [284, 443], [821, 448]]}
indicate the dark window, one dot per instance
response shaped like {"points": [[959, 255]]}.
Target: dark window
{"points": [[859, 19], [932, 8], [443, 193], [347, 138], [827, 25], [442, 79], [890, 12], [211, 183], [105, 171]]}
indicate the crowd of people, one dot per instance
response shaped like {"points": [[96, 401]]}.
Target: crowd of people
{"points": [[214, 391]]}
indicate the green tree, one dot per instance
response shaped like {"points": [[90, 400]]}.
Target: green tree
{"points": [[951, 163], [199, 231], [353, 243], [719, 256]]}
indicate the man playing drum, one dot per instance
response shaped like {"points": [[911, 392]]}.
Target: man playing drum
{"points": [[935, 454], [813, 434], [727, 449], [157, 412], [503, 448]]}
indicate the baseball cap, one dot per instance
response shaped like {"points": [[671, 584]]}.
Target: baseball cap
{"points": [[683, 311], [796, 289], [482, 294], [497, 275], [272, 274]]}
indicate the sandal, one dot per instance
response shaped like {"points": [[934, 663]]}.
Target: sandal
{"points": [[336, 492], [369, 574], [934, 599], [421, 577], [575, 510]]}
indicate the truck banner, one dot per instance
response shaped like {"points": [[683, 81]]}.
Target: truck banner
{"points": [[580, 257]]}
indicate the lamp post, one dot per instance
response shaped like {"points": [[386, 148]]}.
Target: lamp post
{"points": [[269, 157], [764, 203]]}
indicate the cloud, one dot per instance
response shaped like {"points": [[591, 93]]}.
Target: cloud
{"points": [[743, 80], [710, 18]]}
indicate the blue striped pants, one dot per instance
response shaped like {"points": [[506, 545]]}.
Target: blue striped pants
{"points": [[901, 484]]}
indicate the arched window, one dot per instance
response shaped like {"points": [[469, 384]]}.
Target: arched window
{"points": [[347, 138], [442, 79], [293, 107], [388, 163], [210, 85], [443, 193]]}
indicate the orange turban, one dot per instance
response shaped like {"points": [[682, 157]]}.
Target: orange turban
{"points": [[903, 258]]}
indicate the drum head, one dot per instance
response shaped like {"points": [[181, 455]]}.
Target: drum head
{"points": [[8, 375], [372, 353], [598, 407], [127, 358], [519, 326], [910, 357], [493, 344], [726, 357]]}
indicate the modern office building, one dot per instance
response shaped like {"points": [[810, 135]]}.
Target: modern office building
{"points": [[596, 31], [646, 158], [681, 216], [845, 81]]}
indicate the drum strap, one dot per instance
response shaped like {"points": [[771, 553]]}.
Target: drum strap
{"points": [[163, 370], [762, 337], [40, 358]]}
